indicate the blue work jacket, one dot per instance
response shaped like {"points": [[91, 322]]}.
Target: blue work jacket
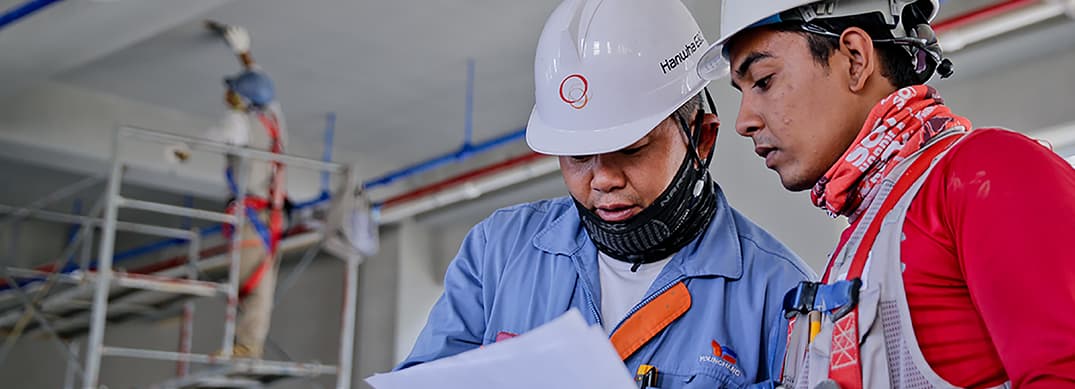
{"points": [[528, 264]]}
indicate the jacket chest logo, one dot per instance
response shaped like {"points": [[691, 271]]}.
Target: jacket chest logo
{"points": [[722, 357]]}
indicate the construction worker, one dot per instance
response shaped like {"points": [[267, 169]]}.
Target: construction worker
{"points": [[646, 246], [957, 268], [254, 120]]}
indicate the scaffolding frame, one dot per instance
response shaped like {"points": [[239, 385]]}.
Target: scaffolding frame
{"points": [[177, 281]]}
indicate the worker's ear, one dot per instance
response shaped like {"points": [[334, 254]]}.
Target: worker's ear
{"points": [[710, 126], [859, 57]]}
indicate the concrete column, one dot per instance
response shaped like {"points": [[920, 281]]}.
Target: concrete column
{"points": [[419, 286]]}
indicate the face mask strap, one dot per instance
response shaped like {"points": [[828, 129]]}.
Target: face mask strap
{"points": [[694, 139], [712, 109]]}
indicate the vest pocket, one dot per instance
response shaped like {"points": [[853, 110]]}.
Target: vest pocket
{"points": [[872, 338], [816, 366]]}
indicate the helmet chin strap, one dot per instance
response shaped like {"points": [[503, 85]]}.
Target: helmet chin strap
{"points": [[694, 140]]}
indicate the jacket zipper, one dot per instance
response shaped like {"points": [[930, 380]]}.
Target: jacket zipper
{"points": [[647, 301], [593, 307]]}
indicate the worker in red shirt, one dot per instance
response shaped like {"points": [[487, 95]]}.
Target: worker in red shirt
{"points": [[958, 267]]}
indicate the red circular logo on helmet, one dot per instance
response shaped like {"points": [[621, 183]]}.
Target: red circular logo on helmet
{"points": [[575, 91]]}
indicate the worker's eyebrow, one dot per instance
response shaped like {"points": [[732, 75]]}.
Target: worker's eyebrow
{"points": [[751, 58]]}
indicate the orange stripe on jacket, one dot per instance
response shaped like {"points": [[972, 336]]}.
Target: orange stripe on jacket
{"points": [[648, 321]]}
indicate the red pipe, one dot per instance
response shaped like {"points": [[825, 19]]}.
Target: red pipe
{"points": [[981, 14], [184, 339], [474, 174]]}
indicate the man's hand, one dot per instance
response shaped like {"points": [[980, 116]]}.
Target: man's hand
{"points": [[237, 38]]}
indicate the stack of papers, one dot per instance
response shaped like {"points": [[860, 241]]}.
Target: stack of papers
{"points": [[565, 353]]}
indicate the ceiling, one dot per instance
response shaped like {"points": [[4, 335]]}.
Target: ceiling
{"points": [[393, 71]]}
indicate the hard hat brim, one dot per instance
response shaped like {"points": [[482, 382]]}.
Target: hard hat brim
{"points": [[739, 17], [546, 139], [713, 64]]}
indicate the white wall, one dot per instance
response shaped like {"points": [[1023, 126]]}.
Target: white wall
{"points": [[378, 302]]}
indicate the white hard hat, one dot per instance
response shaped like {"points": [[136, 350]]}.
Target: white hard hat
{"points": [[739, 15], [609, 71]]}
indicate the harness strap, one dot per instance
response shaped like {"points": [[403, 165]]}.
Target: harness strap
{"points": [[845, 364], [253, 206], [270, 234], [903, 183]]}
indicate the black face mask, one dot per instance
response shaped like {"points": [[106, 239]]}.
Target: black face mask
{"points": [[672, 221]]}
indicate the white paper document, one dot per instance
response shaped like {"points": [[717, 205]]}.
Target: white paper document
{"points": [[565, 353]]}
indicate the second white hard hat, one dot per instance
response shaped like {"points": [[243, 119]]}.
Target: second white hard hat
{"points": [[739, 15]]}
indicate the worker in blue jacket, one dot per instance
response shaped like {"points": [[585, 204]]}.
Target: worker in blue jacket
{"points": [[646, 246]]}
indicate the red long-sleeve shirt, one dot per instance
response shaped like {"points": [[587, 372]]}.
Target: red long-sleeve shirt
{"points": [[990, 264]]}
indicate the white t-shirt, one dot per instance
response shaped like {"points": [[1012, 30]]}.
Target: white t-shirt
{"points": [[244, 129], [622, 289]]}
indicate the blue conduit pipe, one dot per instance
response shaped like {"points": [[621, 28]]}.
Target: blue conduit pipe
{"points": [[330, 132], [468, 124], [326, 192], [15, 13], [465, 152], [76, 209], [321, 198], [188, 201]]}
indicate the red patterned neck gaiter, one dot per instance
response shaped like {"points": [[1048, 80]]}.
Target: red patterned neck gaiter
{"points": [[897, 127]]}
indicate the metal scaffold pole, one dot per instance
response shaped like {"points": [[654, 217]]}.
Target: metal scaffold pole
{"points": [[104, 269]]}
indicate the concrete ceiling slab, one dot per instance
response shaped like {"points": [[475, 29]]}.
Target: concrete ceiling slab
{"points": [[393, 71], [71, 33]]}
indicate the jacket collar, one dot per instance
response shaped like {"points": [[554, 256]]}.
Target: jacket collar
{"points": [[716, 252]]}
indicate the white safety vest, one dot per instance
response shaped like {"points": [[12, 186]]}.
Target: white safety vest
{"points": [[888, 355]]}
